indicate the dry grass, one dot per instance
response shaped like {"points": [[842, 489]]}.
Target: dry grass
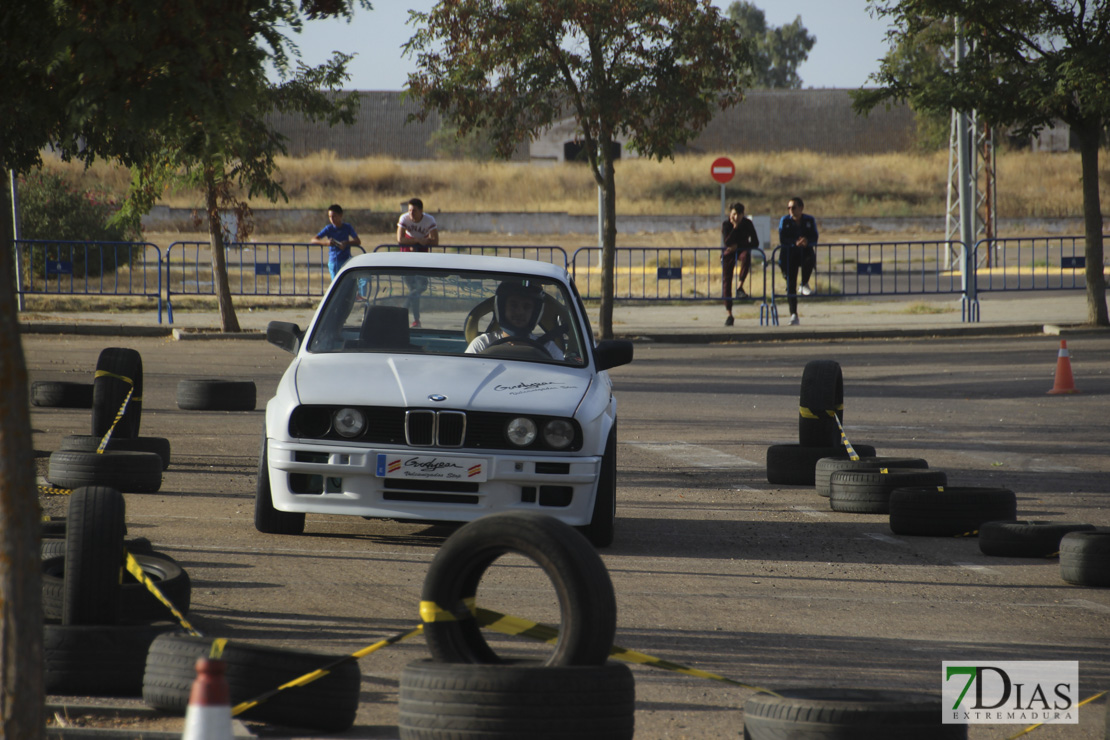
{"points": [[885, 185]]}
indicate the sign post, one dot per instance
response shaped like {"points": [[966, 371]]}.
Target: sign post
{"points": [[722, 170]]}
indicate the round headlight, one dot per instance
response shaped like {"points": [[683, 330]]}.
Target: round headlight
{"points": [[521, 431], [349, 422], [558, 433]]}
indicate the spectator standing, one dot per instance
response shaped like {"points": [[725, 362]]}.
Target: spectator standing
{"points": [[738, 238], [339, 237], [797, 239], [416, 231]]}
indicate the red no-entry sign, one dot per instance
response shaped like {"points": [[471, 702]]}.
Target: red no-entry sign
{"points": [[722, 170]]}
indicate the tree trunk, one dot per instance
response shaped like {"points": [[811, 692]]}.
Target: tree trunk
{"points": [[1089, 134], [608, 238], [21, 690], [228, 320]]}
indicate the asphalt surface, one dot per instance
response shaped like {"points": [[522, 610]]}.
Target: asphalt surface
{"points": [[713, 567]]}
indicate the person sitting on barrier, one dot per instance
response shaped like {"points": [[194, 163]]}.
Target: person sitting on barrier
{"points": [[517, 306], [738, 238], [797, 238], [339, 237]]}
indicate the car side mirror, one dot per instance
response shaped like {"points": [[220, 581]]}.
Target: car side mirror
{"points": [[612, 353], [284, 334]]}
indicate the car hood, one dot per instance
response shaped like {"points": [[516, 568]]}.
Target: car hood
{"points": [[466, 382]]}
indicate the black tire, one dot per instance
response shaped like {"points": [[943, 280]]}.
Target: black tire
{"points": [[1085, 557], [136, 604], [822, 396], [1026, 539], [132, 472], [55, 526], [441, 701], [115, 367], [97, 660], [796, 465], [56, 548], [847, 714], [828, 465], [600, 529], [587, 605], [267, 519], [94, 556], [329, 703], [868, 491], [207, 394], [62, 395], [88, 443], [955, 511]]}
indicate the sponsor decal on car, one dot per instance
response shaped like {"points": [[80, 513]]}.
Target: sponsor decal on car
{"points": [[525, 387], [430, 467]]}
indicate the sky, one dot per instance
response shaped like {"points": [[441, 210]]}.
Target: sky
{"points": [[849, 41]]}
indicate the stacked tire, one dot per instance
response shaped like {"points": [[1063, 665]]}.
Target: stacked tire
{"points": [[821, 407], [127, 462], [466, 689], [100, 623]]}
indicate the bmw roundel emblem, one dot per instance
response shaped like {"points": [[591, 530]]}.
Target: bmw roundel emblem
{"points": [[437, 397]]}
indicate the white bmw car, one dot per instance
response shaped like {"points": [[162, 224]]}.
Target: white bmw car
{"points": [[440, 388]]}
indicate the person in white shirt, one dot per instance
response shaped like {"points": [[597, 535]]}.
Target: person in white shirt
{"points": [[517, 306], [416, 231]]}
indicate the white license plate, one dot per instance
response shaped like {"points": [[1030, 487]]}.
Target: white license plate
{"points": [[430, 467]]}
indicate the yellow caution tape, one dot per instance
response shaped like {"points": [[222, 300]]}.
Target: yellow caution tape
{"points": [[217, 650], [811, 414], [1029, 729], [433, 612], [119, 414], [321, 672], [52, 490], [852, 454], [136, 570]]}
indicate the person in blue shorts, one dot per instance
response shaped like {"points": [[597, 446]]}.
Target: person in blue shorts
{"points": [[339, 237]]}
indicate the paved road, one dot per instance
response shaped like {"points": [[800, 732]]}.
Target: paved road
{"points": [[713, 567]]}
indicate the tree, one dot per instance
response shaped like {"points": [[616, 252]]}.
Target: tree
{"points": [[777, 52], [1027, 65], [94, 78], [654, 70]]}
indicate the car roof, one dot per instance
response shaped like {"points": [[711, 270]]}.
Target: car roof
{"points": [[444, 261]]}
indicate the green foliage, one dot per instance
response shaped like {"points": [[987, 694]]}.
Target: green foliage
{"points": [[776, 52], [51, 209]]}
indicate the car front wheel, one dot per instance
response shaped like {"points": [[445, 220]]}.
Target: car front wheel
{"points": [[267, 519]]}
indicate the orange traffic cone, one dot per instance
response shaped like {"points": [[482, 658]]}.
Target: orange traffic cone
{"points": [[1064, 382], [209, 714]]}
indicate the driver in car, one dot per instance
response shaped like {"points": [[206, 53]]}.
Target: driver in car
{"points": [[517, 306]]}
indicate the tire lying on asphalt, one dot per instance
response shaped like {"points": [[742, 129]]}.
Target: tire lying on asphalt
{"points": [[94, 556], [859, 714], [1026, 539], [587, 605], [1085, 557], [88, 443], [118, 371], [131, 472], [135, 604], [868, 491], [53, 547], [450, 700], [822, 395], [206, 394], [97, 660], [955, 511], [63, 395], [826, 466], [328, 703], [796, 465]]}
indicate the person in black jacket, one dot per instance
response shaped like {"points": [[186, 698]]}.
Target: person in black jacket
{"points": [[797, 238], [738, 238]]}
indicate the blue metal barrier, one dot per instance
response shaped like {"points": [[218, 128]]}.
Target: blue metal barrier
{"points": [[553, 255], [71, 268], [660, 273], [1031, 263], [278, 269]]}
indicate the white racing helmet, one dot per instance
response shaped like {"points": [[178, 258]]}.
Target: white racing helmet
{"points": [[529, 289]]}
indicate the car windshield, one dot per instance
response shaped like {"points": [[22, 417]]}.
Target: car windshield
{"points": [[443, 312]]}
